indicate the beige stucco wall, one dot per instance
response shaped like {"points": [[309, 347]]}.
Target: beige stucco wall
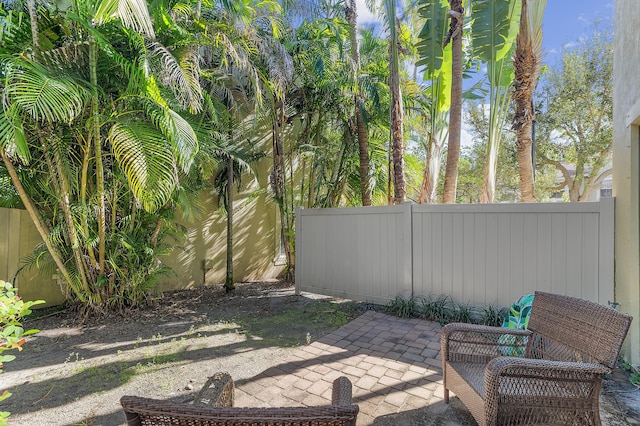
{"points": [[201, 259], [626, 156]]}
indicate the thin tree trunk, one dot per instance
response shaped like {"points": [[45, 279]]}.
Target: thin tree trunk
{"points": [[33, 19], [399, 186], [361, 128], [84, 178], [277, 182], [488, 192], [100, 191], [312, 183], [431, 172], [229, 284], [65, 206], [455, 116], [41, 227]]}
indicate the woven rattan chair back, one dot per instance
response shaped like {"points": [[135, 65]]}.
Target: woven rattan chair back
{"points": [[570, 329]]}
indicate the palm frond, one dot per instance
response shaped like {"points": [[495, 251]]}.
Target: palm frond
{"points": [[181, 75], [146, 158], [177, 131], [13, 140], [43, 96], [133, 14]]}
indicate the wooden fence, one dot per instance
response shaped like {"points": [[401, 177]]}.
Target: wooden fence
{"points": [[477, 254]]}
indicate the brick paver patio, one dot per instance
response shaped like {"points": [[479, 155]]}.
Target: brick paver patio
{"points": [[393, 363]]}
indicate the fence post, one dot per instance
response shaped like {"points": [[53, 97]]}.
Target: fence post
{"points": [[299, 254], [606, 255]]}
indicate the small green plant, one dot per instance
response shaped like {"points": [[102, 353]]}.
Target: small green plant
{"points": [[461, 313], [493, 316], [12, 335], [439, 309], [443, 310], [404, 308], [634, 373]]}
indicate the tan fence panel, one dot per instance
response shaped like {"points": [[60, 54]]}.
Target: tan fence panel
{"points": [[477, 254], [493, 254], [19, 238]]}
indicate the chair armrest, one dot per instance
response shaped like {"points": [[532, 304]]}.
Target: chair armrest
{"points": [[540, 382], [480, 343], [341, 392], [218, 391]]}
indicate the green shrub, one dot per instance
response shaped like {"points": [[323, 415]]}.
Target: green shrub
{"points": [[442, 309], [12, 310], [404, 308]]}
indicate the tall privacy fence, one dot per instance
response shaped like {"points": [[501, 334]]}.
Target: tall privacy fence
{"points": [[477, 254]]}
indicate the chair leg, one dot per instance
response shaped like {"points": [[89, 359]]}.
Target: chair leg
{"points": [[446, 395]]}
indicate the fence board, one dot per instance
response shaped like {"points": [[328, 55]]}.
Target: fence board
{"points": [[478, 254]]}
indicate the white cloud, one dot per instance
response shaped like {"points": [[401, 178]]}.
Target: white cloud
{"points": [[582, 19], [570, 45], [465, 137], [364, 15]]}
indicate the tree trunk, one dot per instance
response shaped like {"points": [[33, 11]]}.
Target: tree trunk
{"points": [[362, 132], [277, 181], [93, 66], [397, 147], [526, 66], [431, 172], [229, 284], [41, 227], [487, 195], [525, 166], [33, 19], [455, 115]]}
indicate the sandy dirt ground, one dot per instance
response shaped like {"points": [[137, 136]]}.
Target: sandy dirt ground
{"points": [[75, 374]]}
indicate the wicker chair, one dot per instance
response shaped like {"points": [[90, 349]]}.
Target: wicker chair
{"points": [[569, 346], [213, 406]]}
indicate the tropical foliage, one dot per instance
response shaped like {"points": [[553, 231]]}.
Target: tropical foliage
{"points": [[116, 113], [576, 119]]}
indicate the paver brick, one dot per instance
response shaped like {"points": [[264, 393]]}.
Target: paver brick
{"points": [[396, 399], [366, 382], [377, 371], [302, 384], [354, 371], [319, 388]]}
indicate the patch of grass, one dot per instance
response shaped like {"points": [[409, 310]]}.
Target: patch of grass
{"points": [[298, 324]]}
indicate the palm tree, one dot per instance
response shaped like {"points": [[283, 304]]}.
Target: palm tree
{"points": [[494, 30], [68, 122], [361, 127], [437, 62], [397, 113], [456, 14], [526, 63]]}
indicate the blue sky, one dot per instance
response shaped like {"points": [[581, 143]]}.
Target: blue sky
{"points": [[566, 21]]}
